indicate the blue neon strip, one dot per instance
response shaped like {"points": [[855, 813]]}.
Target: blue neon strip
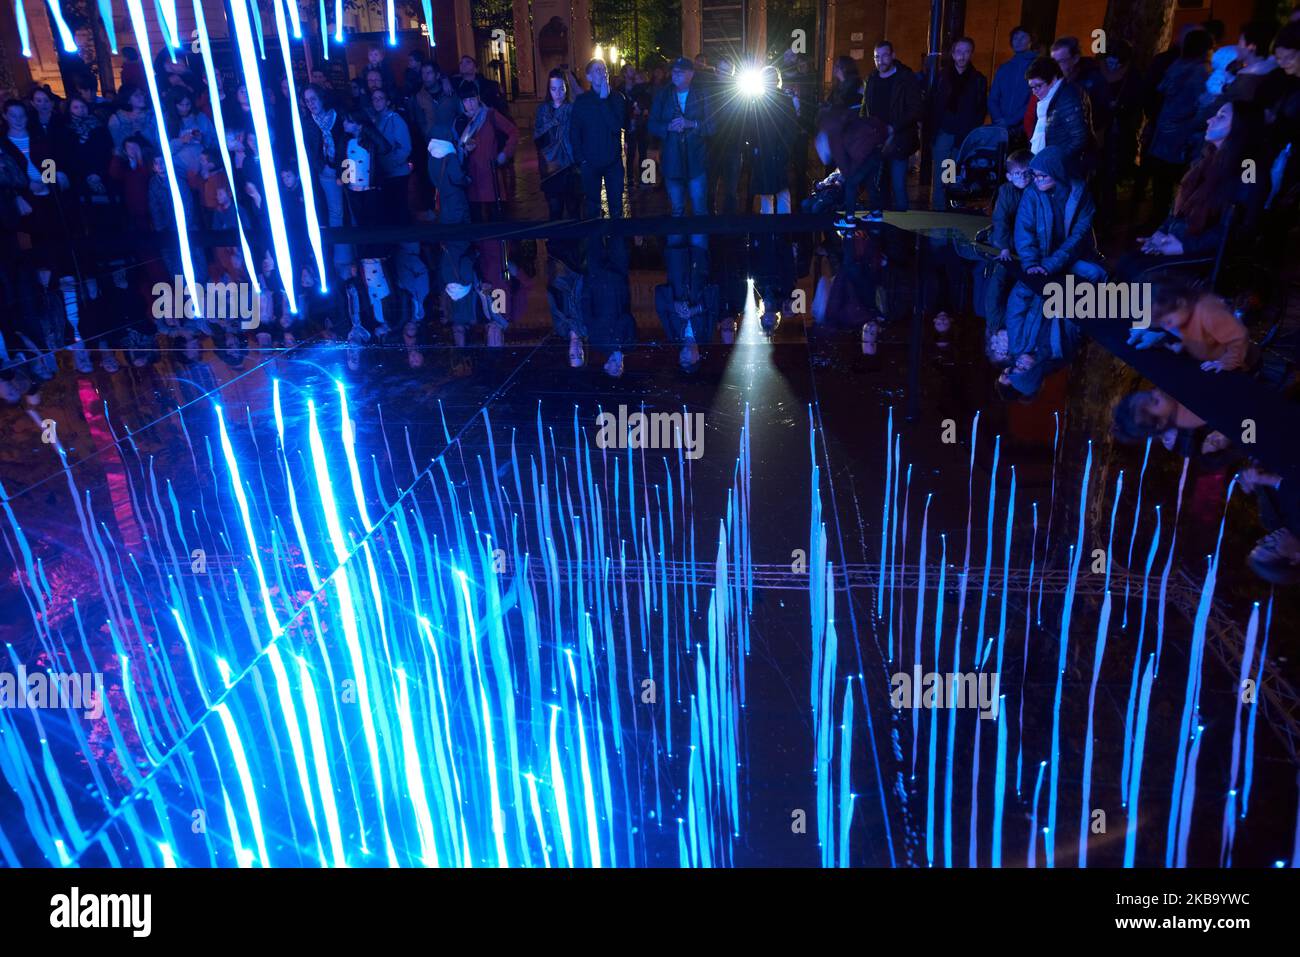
{"points": [[304, 168], [141, 30], [243, 30], [218, 120]]}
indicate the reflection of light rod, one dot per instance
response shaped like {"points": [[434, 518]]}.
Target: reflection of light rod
{"points": [[23, 36], [304, 168], [170, 31], [270, 178], [69, 45], [293, 18], [105, 14], [219, 122], [141, 30], [428, 18]]}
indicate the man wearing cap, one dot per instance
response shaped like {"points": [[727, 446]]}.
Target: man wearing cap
{"points": [[682, 118], [595, 133]]}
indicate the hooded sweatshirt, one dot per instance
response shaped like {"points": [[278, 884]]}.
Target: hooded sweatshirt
{"points": [[1054, 228], [448, 177]]}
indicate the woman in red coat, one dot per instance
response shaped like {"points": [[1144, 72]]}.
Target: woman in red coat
{"points": [[487, 141]]}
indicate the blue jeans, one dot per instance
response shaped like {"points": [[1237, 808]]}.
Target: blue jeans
{"points": [[945, 148], [896, 169], [332, 193], [698, 189]]}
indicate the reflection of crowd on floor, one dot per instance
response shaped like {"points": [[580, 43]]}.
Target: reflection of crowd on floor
{"points": [[1207, 130]]}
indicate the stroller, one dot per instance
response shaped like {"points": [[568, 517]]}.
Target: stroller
{"points": [[981, 164]]}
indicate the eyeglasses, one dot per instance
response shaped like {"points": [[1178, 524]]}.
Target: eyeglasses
{"points": [[1039, 175]]}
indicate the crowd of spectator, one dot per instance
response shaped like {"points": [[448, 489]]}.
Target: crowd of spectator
{"points": [[90, 188]]}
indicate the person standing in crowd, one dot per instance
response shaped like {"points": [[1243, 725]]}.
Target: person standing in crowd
{"points": [[725, 155], [555, 150], [326, 146], [1123, 110], [957, 105], [189, 132], [894, 96], [1008, 95], [847, 88], [487, 141], [772, 129], [363, 180], [47, 120], [394, 163], [435, 104], [1084, 73], [637, 138], [1259, 79], [432, 105], [1063, 117], [1183, 111], [682, 118], [132, 116], [595, 130], [132, 69], [489, 91]]}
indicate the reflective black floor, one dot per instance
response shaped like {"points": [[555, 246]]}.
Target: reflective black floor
{"points": [[471, 685]]}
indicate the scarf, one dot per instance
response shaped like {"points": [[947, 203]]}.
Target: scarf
{"points": [[475, 124], [325, 120], [83, 126]]}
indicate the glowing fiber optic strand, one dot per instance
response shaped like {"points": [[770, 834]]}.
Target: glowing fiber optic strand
{"points": [[141, 30], [261, 126], [305, 175], [218, 121]]}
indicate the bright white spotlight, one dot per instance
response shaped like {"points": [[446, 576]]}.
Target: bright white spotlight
{"points": [[750, 82]]}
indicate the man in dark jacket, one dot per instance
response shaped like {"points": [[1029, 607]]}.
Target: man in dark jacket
{"points": [[682, 118], [1008, 96], [957, 105], [1064, 115], [1085, 73], [595, 131], [894, 96], [489, 91]]}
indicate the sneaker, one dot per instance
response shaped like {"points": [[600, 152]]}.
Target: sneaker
{"points": [[1276, 557], [875, 216], [846, 222], [109, 362]]}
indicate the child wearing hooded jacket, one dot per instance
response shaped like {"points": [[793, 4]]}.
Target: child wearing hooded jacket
{"points": [[1053, 237]]}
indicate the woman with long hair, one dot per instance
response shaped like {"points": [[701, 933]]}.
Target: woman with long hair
{"points": [[846, 84], [1195, 226], [189, 131], [326, 146], [554, 151], [133, 115]]}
